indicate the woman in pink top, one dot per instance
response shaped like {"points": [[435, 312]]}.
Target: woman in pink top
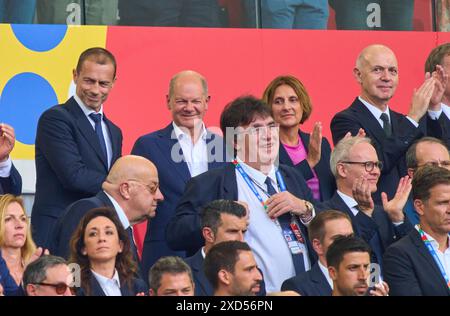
{"points": [[291, 106]]}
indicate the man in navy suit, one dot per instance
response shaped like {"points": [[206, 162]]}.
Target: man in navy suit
{"points": [[131, 189], [392, 133], [323, 230], [277, 196], [222, 220], [355, 165], [180, 151], [75, 144], [425, 151], [440, 105], [10, 179], [419, 264]]}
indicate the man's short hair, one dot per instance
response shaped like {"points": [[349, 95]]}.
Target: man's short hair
{"points": [[99, 55], [411, 153], [36, 272], [342, 149], [436, 57], [224, 256], [316, 229], [241, 112], [171, 265], [210, 214], [426, 178], [343, 245], [174, 79]]}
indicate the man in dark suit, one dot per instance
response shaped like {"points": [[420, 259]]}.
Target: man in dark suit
{"points": [[222, 220], [425, 151], [131, 189], [440, 103], [278, 197], [392, 133], [75, 144], [356, 167], [10, 179], [419, 263], [180, 151], [231, 269], [323, 230]]}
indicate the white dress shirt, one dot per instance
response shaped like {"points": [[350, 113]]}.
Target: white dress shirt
{"points": [[120, 212], [111, 287], [264, 235], [195, 155], [105, 129], [5, 168]]}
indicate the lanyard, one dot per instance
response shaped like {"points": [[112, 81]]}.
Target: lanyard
{"points": [[434, 255]]}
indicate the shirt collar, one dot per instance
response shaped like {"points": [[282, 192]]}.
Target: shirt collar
{"points": [[257, 175], [104, 280], [84, 108], [180, 134], [374, 110], [325, 273], [349, 201], [120, 212], [433, 241]]}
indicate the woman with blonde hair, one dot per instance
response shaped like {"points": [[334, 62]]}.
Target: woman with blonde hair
{"points": [[310, 153], [17, 248]]}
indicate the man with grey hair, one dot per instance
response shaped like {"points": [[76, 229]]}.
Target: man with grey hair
{"points": [[181, 150], [355, 165], [48, 276], [171, 276], [376, 71]]}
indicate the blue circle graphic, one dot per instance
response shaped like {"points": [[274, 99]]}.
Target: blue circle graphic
{"points": [[25, 97], [39, 38]]}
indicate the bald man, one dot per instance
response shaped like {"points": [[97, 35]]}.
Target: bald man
{"points": [[131, 189], [376, 71], [181, 150]]}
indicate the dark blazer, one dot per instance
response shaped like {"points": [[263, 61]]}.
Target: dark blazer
{"points": [[366, 227], [183, 230], [411, 270], [68, 222], [309, 283], [10, 286], [390, 150], [327, 183], [440, 129], [173, 176], [202, 285], [11, 184], [69, 164], [137, 286]]}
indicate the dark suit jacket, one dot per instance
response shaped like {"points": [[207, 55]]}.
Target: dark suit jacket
{"points": [[411, 270], [309, 283], [327, 183], [69, 164], [365, 226], [202, 285], [137, 286], [390, 150], [10, 286], [183, 230], [173, 176], [440, 129], [11, 184]]}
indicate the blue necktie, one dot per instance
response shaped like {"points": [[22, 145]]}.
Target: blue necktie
{"points": [[285, 223], [386, 124], [97, 118]]}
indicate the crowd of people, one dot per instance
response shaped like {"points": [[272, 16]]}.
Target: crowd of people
{"points": [[266, 208]]}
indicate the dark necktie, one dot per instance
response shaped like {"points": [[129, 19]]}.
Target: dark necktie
{"points": [[285, 223], [97, 118], [132, 245], [386, 124]]}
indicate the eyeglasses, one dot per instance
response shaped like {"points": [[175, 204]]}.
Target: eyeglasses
{"points": [[368, 165], [60, 288], [443, 164], [152, 188]]}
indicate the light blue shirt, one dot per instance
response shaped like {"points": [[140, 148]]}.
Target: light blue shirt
{"points": [[111, 287], [5, 168], [120, 212]]}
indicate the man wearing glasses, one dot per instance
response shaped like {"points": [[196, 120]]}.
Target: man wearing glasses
{"points": [[277, 196], [131, 189], [48, 276], [355, 165]]}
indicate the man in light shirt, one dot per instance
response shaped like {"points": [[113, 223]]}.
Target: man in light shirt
{"points": [[10, 179], [323, 230], [181, 150]]}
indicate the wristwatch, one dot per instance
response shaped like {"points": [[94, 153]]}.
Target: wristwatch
{"points": [[310, 209]]}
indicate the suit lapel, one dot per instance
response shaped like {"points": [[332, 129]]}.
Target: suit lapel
{"points": [[216, 151], [96, 289], [115, 140], [340, 205], [230, 189], [197, 266], [367, 120], [86, 129], [320, 280]]}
